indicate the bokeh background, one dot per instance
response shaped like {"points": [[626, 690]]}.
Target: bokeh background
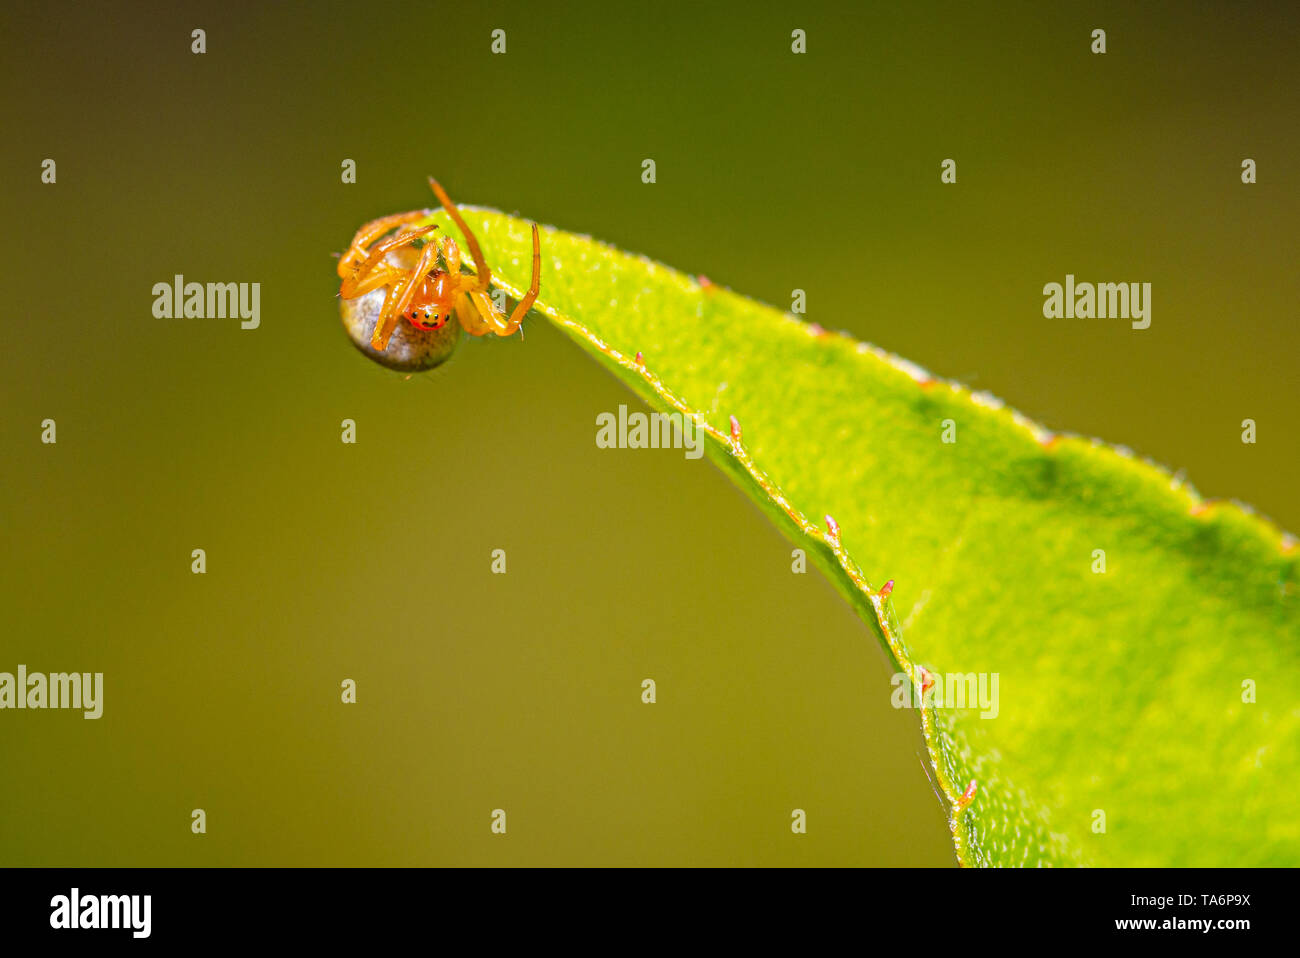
{"points": [[371, 561]]}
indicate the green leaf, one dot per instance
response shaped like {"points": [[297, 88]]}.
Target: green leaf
{"points": [[1121, 692]]}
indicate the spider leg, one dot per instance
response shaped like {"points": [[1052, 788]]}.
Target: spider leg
{"points": [[493, 319], [451, 253], [382, 275], [395, 304], [374, 273], [530, 297], [480, 264], [487, 318], [388, 315], [473, 310], [376, 228], [357, 252]]}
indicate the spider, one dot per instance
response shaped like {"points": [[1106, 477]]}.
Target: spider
{"points": [[428, 294]]}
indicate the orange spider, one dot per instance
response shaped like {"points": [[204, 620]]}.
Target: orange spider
{"points": [[428, 293]]}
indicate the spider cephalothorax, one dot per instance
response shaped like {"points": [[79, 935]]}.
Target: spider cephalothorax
{"points": [[432, 305]]}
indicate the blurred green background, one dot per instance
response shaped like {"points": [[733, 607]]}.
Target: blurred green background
{"points": [[371, 561]]}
